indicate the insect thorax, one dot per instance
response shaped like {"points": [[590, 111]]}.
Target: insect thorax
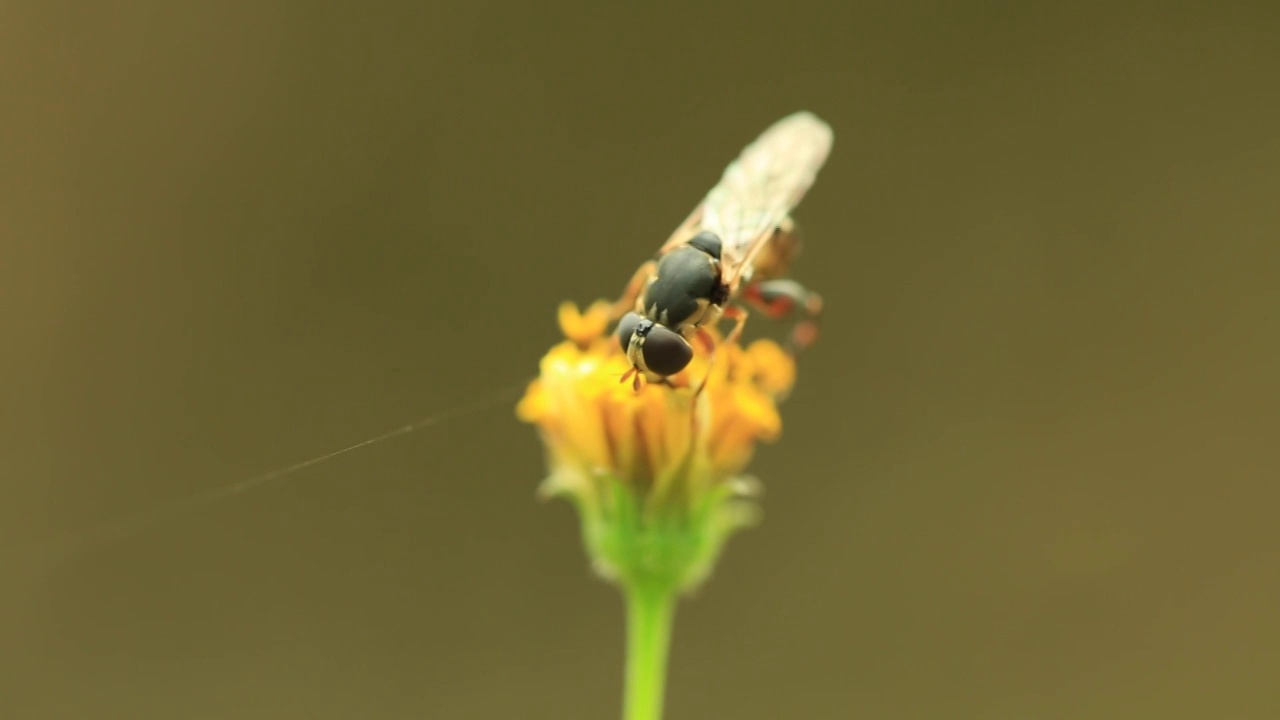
{"points": [[685, 284]]}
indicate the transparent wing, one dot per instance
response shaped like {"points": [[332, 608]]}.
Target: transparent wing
{"points": [[762, 187]]}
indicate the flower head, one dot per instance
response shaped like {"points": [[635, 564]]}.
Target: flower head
{"points": [[656, 474]]}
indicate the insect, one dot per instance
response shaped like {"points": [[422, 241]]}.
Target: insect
{"points": [[735, 245]]}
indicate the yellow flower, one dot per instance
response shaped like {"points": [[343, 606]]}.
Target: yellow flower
{"points": [[660, 467]]}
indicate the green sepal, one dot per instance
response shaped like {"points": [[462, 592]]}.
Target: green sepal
{"points": [[638, 540]]}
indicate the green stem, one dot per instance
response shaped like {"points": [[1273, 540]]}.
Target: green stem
{"points": [[650, 612]]}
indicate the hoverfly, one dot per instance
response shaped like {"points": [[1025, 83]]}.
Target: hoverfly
{"points": [[736, 244]]}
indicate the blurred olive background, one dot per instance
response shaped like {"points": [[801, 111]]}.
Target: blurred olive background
{"points": [[1029, 471]]}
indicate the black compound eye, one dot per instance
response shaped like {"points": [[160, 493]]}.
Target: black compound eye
{"points": [[626, 326], [666, 352]]}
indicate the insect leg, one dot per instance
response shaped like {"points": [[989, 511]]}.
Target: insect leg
{"points": [[739, 316], [782, 298], [634, 376], [635, 286]]}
